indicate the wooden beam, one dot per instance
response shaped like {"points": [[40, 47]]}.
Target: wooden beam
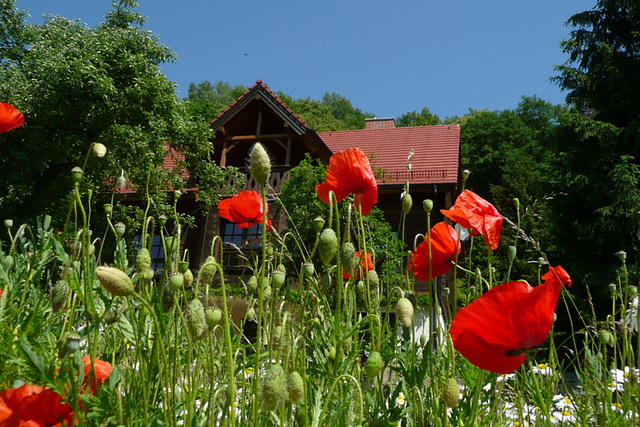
{"points": [[259, 137], [223, 155], [259, 124], [287, 158]]}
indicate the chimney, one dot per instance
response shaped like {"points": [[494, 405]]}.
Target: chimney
{"points": [[376, 123]]}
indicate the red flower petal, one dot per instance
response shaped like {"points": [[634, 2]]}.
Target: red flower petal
{"points": [[493, 331], [474, 212], [244, 209], [32, 405], [10, 117], [101, 369], [366, 264], [349, 172], [444, 248]]}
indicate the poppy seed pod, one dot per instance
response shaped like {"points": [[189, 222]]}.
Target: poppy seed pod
{"points": [[373, 365], [176, 281], [308, 269], [8, 223], [295, 386], [148, 275], [407, 202], [327, 245], [76, 174], [59, 294], [465, 174], [633, 290], [72, 343], [318, 224], [277, 278], [274, 388], [115, 281], [213, 317], [260, 164], [120, 228], [108, 208], [162, 220], [404, 311], [451, 393], [99, 150]]}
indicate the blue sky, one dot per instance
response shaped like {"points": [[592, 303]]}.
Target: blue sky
{"points": [[387, 57]]}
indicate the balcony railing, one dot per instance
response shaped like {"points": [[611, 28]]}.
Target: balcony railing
{"points": [[274, 184]]}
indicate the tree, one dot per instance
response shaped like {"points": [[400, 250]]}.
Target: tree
{"points": [[595, 164], [206, 100], [423, 118], [78, 85]]}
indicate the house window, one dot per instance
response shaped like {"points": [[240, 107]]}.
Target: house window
{"points": [[156, 252], [239, 242]]}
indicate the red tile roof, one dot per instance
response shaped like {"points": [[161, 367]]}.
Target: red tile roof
{"points": [[436, 158]]}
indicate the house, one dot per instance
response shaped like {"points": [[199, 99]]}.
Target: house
{"points": [[427, 157]]}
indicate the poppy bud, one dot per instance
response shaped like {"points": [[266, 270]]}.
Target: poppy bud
{"points": [[46, 222], [423, 340], [148, 275], [318, 224], [120, 228], [605, 337], [76, 174], [59, 294], [516, 203], [349, 258], [176, 281], [295, 386], [108, 208], [346, 344], [374, 279], [251, 315], [99, 150], [427, 205], [213, 317], [121, 181], [325, 282], [269, 250], [266, 293], [512, 251], [274, 388], [143, 260], [188, 278], [115, 281], [8, 223], [208, 270], [277, 278], [373, 364], [308, 269], [633, 291], [451, 393], [260, 164], [112, 317], [252, 285], [407, 202], [404, 311], [7, 262], [196, 320], [327, 245], [72, 343], [171, 244], [361, 289]]}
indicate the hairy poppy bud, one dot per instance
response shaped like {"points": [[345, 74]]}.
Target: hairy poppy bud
{"points": [[374, 279], [121, 181], [260, 163], [188, 278], [373, 364], [266, 293], [274, 388], [99, 150], [404, 311], [295, 386], [451, 393], [361, 289], [196, 320], [308, 269], [407, 202], [7, 262], [143, 260], [512, 251], [59, 294], [115, 281], [252, 285], [427, 205], [213, 317], [349, 258], [148, 275], [327, 245], [76, 174], [208, 270], [251, 315], [176, 281]]}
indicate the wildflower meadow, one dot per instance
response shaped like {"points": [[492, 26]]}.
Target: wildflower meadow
{"points": [[90, 334]]}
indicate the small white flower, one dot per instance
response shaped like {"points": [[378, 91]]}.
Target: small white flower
{"points": [[542, 369], [564, 416], [400, 400], [563, 403]]}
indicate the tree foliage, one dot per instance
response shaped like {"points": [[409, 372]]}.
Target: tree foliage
{"points": [[422, 118], [78, 85]]}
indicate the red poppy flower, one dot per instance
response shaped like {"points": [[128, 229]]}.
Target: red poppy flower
{"points": [[350, 172], [0, 292], [493, 331], [244, 209], [33, 406], [474, 212], [10, 117], [444, 248], [365, 264], [101, 369]]}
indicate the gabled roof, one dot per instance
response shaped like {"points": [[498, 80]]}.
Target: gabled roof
{"points": [[260, 91], [436, 152]]}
